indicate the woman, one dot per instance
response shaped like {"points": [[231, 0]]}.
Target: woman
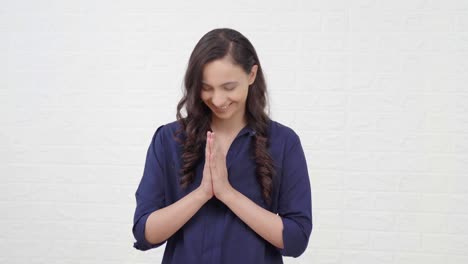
{"points": [[224, 184]]}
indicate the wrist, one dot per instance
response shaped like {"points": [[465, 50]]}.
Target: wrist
{"points": [[227, 195], [201, 195]]}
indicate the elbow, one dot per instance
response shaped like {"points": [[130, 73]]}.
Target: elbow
{"points": [[138, 234], [152, 240], [296, 249], [295, 237], [138, 230]]}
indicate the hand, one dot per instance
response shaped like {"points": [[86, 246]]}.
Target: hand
{"points": [[206, 185], [217, 163]]}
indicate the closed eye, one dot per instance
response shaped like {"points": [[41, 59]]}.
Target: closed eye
{"points": [[206, 88], [229, 88]]}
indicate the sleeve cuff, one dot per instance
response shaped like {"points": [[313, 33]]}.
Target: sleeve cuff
{"points": [[294, 239], [139, 234]]}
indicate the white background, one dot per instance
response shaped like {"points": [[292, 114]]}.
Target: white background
{"points": [[377, 91]]}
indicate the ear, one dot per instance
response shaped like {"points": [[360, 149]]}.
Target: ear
{"points": [[253, 74]]}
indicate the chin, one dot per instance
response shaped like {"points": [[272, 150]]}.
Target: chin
{"points": [[223, 116]]}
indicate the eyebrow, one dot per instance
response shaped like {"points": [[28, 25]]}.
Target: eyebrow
{"points": [[226, 83]]}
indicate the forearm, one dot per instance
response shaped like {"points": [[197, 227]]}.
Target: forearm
{"points": [[163, 223], [265, 223]]}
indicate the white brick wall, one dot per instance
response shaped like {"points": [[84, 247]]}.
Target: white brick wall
{"points": [[376, 89]]}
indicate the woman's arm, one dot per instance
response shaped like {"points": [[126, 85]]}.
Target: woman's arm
{"points": [[154, 222], [289, 231], [265, 223], [163, 223]]}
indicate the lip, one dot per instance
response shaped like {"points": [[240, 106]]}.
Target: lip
{"points": [[222, 110]]}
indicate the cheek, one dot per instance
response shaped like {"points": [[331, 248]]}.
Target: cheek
{"points": [[204, 96], [241, 95]]}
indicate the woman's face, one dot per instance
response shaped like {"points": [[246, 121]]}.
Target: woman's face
{"points": [[225, 87]]}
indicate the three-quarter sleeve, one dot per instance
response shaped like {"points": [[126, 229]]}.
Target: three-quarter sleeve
{"points": [[295, 202], [150, 192]]}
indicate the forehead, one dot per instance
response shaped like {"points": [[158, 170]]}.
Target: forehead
{"points": [[220, 71]]}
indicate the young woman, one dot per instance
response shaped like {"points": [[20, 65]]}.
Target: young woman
{"points": [[224, 184]]}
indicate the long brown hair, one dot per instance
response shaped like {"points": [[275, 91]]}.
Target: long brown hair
{"points": [[214, 45]]}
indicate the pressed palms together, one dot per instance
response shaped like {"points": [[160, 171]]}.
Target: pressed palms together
{"points": [[215, 177]]}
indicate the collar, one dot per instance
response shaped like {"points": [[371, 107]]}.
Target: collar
{"points": [[247, 130]]}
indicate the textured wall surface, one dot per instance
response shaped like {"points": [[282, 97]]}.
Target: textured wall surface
{"points": [[377, 91]]}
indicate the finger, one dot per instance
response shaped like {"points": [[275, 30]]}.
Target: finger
{"points": [[212, 161], [207, 147], [209, 141], [213, 143]]}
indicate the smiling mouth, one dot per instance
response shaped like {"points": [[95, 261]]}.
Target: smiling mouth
{"points": [[222, 109]]}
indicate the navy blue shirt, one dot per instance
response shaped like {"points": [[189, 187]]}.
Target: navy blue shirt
{"points": [[215, 234]]}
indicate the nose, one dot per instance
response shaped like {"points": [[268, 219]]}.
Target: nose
{"points": [[218, 99]]}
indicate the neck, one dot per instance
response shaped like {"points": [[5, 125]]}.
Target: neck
{"points": [[228, 126]]}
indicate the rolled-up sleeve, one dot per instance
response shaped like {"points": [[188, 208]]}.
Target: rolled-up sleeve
{"points": [[295, 201], [150, 192]]}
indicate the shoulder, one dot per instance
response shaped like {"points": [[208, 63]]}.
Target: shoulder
{"points": [[165, 133], [282, 134], [167, 129], [282, 131]]}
